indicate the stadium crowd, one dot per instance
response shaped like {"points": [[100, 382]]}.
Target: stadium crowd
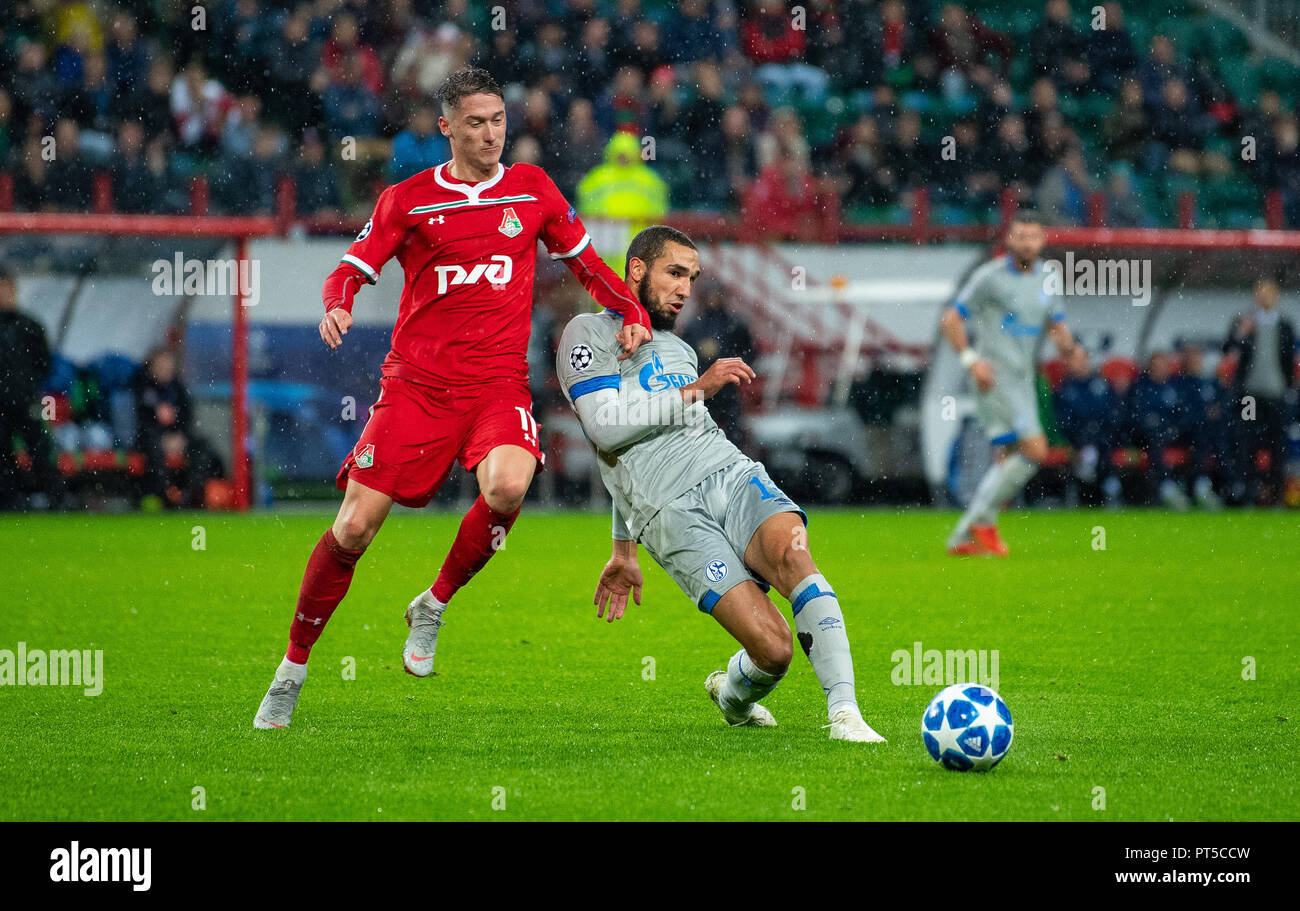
{"points": [[754, 108]]}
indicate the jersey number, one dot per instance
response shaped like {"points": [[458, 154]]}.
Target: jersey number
{"points": [[764, 493]]}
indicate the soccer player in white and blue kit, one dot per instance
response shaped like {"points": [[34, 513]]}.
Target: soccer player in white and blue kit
{"points": [[1006, 302], [706, 513]]}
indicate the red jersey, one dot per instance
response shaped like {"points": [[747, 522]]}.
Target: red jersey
{"points": [[469, 251]]}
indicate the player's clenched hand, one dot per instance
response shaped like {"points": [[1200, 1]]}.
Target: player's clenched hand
{"points": [[334, 326], [982, 372], [619, 578], [630, 338], [724, 370]]}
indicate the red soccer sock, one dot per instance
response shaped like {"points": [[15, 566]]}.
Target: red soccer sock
{"points": [[482, 532], [326, 581]]}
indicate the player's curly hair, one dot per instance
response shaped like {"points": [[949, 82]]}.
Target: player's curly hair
{"points": [[650, 243], [463, 83]]}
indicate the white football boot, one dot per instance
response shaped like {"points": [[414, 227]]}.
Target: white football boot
{"points": [[755, 715], [847, 724], [276, 710], [424, 617]]}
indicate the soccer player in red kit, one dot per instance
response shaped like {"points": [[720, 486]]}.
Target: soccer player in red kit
{"points": [[455, 384]]}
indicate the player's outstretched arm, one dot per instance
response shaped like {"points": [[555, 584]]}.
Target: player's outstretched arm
{"points": [[621, 576]]}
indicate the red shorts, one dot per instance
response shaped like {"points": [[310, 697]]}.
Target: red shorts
{"points": [[416, 432]]}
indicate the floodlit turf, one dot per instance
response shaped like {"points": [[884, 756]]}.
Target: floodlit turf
{"points": [[1123, 669]]}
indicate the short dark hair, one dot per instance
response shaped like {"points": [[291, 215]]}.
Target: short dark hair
{"points": [[5, 274], [463, 83], [649, 245], [1026, 217]]}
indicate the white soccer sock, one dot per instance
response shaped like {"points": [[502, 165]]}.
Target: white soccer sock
{"points": [[979, 503], [819, 624], [1000, 483], [746, 684], [290, 670]]}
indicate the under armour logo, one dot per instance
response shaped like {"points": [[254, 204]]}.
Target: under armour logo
{"points": [[437, 218]]}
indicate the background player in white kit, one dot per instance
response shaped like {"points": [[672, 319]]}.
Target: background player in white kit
{"points": [[708, 514], [1007, 304]]}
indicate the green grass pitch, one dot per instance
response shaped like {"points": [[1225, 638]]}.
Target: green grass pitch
{"points": [[1123, 669]]}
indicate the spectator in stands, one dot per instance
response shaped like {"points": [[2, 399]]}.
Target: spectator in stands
{"points": [[770, 39], [1062, 197], [245, 185], [128, 55], [783, 199], [593, 59], [1127, 128], [979, 182], [345, 51], [1280, 167], [622, 105], [911, 164], [1156, 412], [585, 147], [68, 179], [1010, 150], [1087, 411], [241, 127], [163, 421], [1202, 410], [199, 107], [418, 147], [289, 72], [870, 180], [90, 103], [1159, 67], [961, 41], [738, 153], [691, 35], [1123, 207], [317, 187], [426, 59], [137, 186], [1058, 50], [35, 90], [149, 101], [70, 55], [1263, 343], [646, 51], [351, 108], [7, 132], [1178, 134], [31, 184], [831, 51], [718, 331], [1109, 50], [783, 138], [23, 369]]}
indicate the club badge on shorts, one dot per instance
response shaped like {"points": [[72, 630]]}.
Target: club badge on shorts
{"points": [[510, 223], [716, 571], [366, 457]]}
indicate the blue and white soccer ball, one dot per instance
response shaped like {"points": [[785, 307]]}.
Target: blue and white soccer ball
{"points": [[967, 728]]}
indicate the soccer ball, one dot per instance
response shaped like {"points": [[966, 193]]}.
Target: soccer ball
{"points": [[967, 728]]}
